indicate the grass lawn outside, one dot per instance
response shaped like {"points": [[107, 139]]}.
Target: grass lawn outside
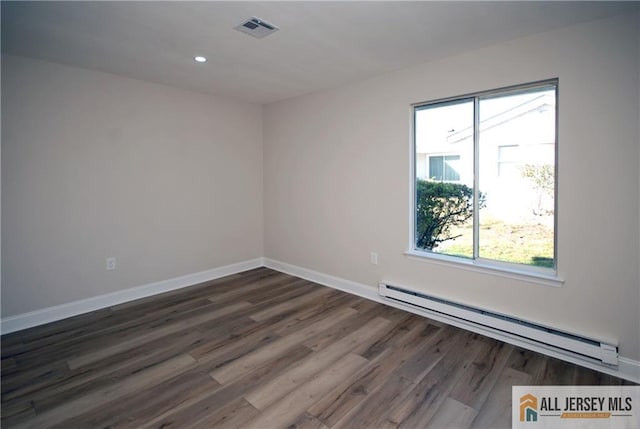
{"points": [[527, 243]]}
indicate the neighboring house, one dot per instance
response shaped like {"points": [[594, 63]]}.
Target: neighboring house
{"points": [[504, 149]]}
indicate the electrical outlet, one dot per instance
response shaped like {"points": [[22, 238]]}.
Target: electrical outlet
{"points": [[111, 263], [374, 258]]}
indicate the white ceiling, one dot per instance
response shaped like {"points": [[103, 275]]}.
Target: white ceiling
{"points": [[319, 45]]}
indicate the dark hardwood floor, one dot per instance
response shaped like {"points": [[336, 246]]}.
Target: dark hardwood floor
{"points": [[262, 349]]}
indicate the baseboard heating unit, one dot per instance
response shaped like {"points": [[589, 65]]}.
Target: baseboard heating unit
{"points": [[520, 332]]}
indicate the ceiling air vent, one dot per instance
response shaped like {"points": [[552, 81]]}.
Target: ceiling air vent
{"points": [[257, 27]]}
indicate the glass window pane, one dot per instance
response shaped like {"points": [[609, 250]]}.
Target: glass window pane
{"points": [[444, 200], [435, 168], [451, 165], [516, 177]]}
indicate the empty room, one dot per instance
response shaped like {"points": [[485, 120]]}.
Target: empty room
{"points": [[320, 214]]}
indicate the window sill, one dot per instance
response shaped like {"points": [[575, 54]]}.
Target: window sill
{"points": [[489, 268]]}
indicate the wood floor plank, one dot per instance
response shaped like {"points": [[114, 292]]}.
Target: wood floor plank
{"points": [[247, 363], [96, 398], [231, 416], [114, 369], [340, 330], [430, 353], [140, 340], [47, 393], [128, 411], [452, 414], [354, 389], [241, 339], [112, 319], [282, 292], [528, 362], [588, 377], [289, 304], [241, 349], [307, 421], [558, 372], [202, 290], [64, 327], [28, 380], [476, 384], [8, 366], [117, 322], [307, 315], [245, 332], [226, 348], [14, 414], [287, 410], [419, 407], [108, 337], [219, 398], [245, 291], [10, 340], [397, 333], [316, 362], [239, 332], [496, 411], [206, 413], [373, 412], [263, 348]]}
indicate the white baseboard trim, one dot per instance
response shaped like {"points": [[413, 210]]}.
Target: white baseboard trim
{"points": [[59, 312], [627, 368], [348, 286]]}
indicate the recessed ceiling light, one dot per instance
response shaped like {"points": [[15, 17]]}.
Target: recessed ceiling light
{"points": [[200, 59]]}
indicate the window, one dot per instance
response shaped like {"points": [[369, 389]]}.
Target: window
{"points": [[444, 168], [508, 160], [484, 171]]}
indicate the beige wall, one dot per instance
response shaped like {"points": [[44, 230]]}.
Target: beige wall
{"points": [[95, 165], [337, 178]]}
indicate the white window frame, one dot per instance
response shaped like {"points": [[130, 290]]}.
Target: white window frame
{"points": [[501, 162], [531, 274]]}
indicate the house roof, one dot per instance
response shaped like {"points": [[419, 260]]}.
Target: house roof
{"points": [[535, 104]]}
